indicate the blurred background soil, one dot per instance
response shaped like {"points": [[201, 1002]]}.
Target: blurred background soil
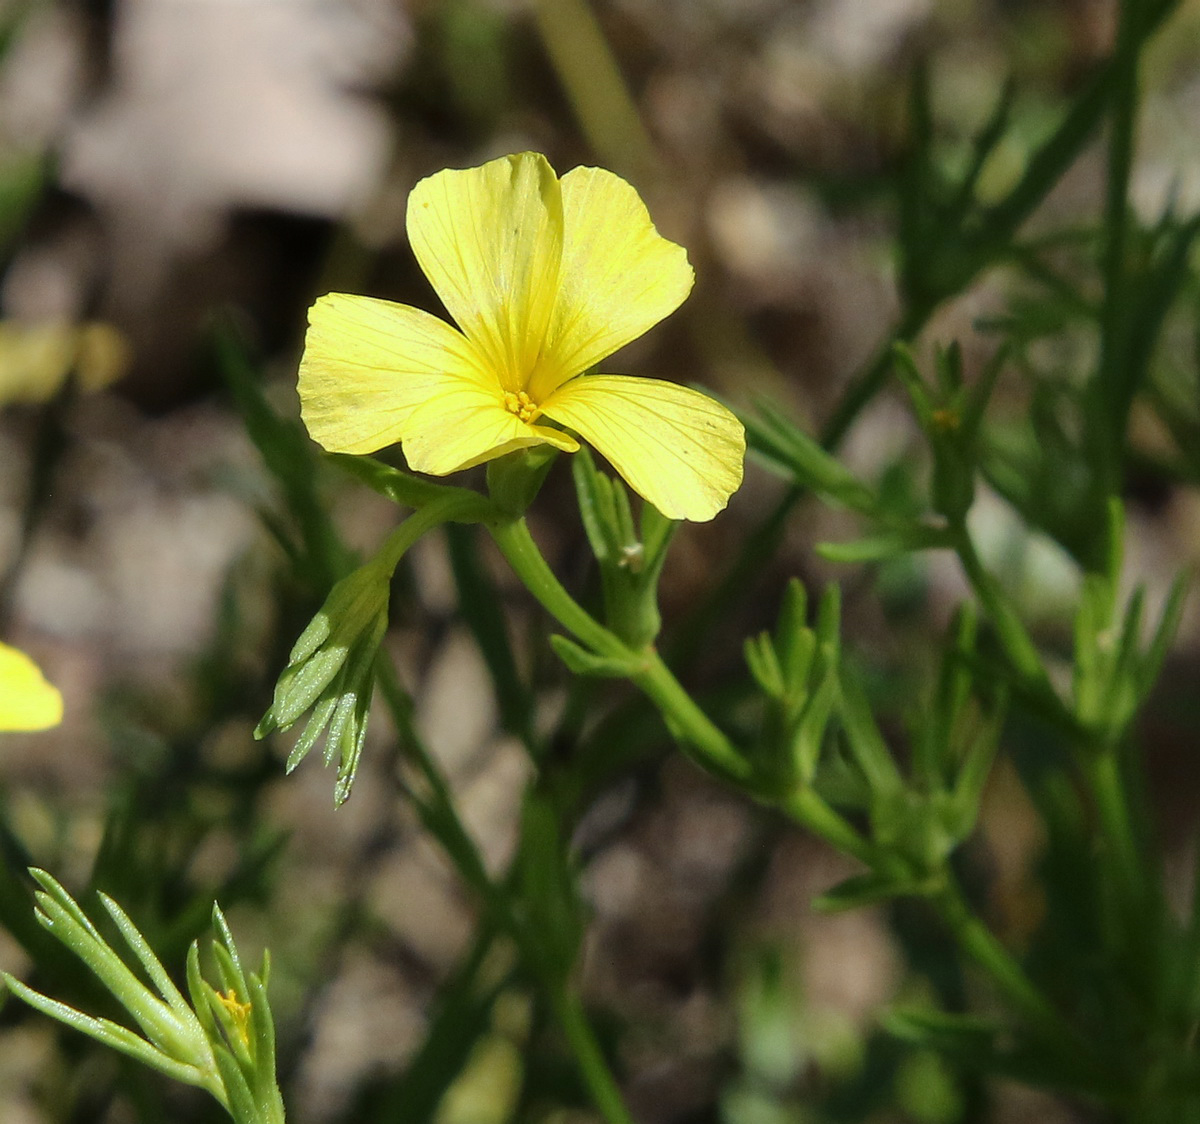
{"points": [[197, 156]]}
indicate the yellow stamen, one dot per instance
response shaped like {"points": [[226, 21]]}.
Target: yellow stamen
{"points": [[239, 1011], [519, 403]]}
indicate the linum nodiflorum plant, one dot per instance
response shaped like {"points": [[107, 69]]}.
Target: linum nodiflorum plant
{"points": [[1103, 1003]]}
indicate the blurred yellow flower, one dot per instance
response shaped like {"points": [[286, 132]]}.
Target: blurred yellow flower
{"points": [[36, 359], [545, 277], [27, 701]]}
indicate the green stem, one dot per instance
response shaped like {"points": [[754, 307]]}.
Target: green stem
{"points": [[687, 722], [588, 70], [1017, 645], [1113, 391], [809, 810], [516, 544], [600, 1082], [981, 945], [458, 506], [442, 819], [1103, 771]]}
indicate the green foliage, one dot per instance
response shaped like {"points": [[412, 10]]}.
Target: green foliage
{"points": [[222, 1042], [331, 671], [883, 748], [630, 561]]}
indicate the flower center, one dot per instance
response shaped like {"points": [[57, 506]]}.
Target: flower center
{"points": [[519, 403], [239, 1011]]}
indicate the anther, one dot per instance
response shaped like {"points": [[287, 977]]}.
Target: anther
{"points": [[519, 403]]}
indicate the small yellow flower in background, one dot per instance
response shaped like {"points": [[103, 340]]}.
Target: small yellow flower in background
{"points": [[545, 277], [36, 359], [27, 701]]}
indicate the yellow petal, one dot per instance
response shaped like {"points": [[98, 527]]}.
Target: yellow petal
{"points": [[464, 425], [619, 276], [675, 447], [104, 356], [490, 239], [27, 701], [368, 363], [35, 360]]}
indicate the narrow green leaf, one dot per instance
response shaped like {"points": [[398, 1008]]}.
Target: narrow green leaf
{"points": [[763, 665], [810, 733], [863, 739], [400, 487], [941, 1030], [1164, 634], [788, 450], [829, 620], [107, 1033], [974, 772], [582, 662], [859, 891], [888, 544], [145, 954], [910, 378], [982, 147]]}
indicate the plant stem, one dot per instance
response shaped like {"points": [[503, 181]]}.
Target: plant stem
{"points": [[978, 941], [455, 506], [600, 1082], [687, 722], [1103, 770], [442, 819], [1112, 393], [1017, 644], [516, 544], [588, 70], [808, 809]]}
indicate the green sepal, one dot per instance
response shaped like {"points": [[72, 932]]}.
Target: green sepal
{"points": [[630, 558], [515, 479], [331, 672], [922, 827], [353, 617], [951, 416]]}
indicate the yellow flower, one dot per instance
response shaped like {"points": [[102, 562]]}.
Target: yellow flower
{"points": [[238, 1011], [545, 278], [36, 359], [27, 701]]}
